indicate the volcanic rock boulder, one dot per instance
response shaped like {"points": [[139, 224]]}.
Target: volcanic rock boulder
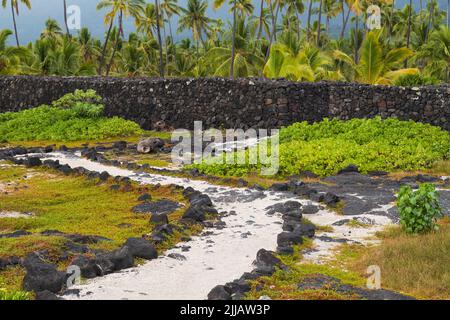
{"points": [[42, 276], [141, 248], [150, 145]]}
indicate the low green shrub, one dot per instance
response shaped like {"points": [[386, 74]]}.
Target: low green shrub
{"points": [[326, 147], [77, 116], [69, 100], [419, 210], [411, 80]]}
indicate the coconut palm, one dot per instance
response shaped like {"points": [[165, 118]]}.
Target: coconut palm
{"points": [[52, 30], [246, 62], [65, 17], [120, 9], [158, 32], [15, 11], [244, 8], [169, 8], [308, 64], [194, 18], [10, 57], [374, 67], [436, 54]]}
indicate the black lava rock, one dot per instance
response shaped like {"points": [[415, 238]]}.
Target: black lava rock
{"points": [[141, 248], [219, 293], [42, 276]]}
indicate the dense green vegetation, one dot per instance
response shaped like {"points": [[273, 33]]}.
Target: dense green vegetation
{"points": [[268, 38], [419, 210], [77, 116], [13, 295], [326, 147]]}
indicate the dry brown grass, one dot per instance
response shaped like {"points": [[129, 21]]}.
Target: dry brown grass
{"points": [[439, 169], [418, 265]]}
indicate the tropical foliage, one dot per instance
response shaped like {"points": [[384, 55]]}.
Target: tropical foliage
{"points": [[267, 38], [419, 210], [77, 116], [326, 147]]}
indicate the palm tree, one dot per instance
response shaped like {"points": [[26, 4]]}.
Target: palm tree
{"points": [[194, 18], [246, 62], [374, 67], [146, 21], [158, 32], [436, 54], [319, 23], [120, 8], [65, 17], [52, 30], [408, 33], [10, 57], [308, 26], [308, 64], [295, 8], [15, 11], [244, 7], [168, 9]]}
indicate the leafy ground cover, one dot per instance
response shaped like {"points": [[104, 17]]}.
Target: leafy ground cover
{"points": [[326, 147], [77, 116]]}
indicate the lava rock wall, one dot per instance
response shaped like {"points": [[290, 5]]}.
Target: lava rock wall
{"points": [[240, 103]]}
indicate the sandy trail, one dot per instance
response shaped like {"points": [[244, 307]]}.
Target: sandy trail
{"points": [[216, 256]]}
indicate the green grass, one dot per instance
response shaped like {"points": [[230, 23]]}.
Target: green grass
{"points": [[108, 141], [72, 205], [283, 285]]}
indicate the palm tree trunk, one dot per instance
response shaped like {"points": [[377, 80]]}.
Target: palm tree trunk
{"points": [[261, 17], [65, 17], [408, 35], [448, 9], [15, 24], [116, 45], [271, 34], [277, 11], [171, 37], [111, 62], [430, 20], [158, 30], [166, 45], [274, 23], [356, 38], [390, 20], [299, 25], [308, 27], [319, 22], [233, 45], [105, 46], [344, 25]]}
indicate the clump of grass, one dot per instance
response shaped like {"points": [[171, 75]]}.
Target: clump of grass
{"points": [[357, 224], [283, 285], [414, 264]]}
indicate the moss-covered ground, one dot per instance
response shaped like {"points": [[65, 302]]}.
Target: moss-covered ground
{"points": [[73, 205]]}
